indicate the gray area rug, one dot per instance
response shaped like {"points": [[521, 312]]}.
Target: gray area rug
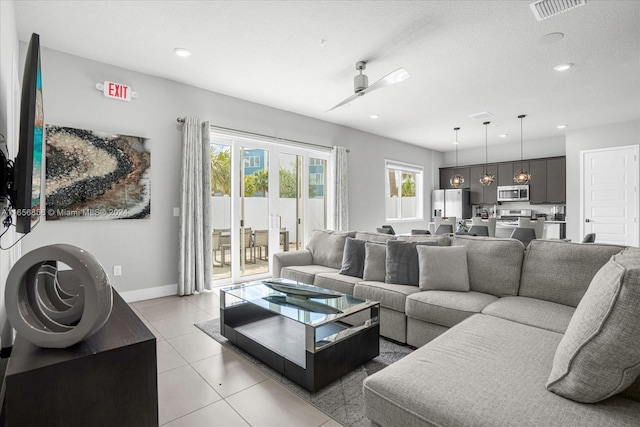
{"points": [[342, 400]]}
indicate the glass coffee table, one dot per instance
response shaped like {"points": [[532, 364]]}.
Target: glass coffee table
{"points": [[311, 335]]}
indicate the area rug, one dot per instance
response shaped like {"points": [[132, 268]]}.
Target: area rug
{"points": [[342, 400]]}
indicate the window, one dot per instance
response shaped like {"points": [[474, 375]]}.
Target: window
{"points": [[403, 191], [251, 161]]}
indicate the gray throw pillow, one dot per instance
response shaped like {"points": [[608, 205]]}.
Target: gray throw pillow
{"points": [[599, 355], [327, 247], [402, 262], [353, 257], [375, 257], [443, 268]]}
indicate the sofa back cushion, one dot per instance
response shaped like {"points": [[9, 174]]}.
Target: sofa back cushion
{"points": [[439, 240], [560, 271], [599, 355], [374, 237], [327, 247], [375, 258], [494, 264]]}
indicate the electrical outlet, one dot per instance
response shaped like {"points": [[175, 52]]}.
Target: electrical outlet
{"points": [[117, 270], [176, 211]]}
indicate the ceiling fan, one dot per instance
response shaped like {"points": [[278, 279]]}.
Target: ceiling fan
{"points": [[361, 82]]}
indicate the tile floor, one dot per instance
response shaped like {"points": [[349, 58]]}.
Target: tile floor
{"points": [[200, 384]]}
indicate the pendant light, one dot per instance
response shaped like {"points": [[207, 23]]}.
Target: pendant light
{"points": [[487, 178], [521, 177], [456, 180]]}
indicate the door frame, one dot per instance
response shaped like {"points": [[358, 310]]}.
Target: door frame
{"points": [[583, 153]]}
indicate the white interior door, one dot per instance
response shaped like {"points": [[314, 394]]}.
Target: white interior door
{"points": [[610, 194]]}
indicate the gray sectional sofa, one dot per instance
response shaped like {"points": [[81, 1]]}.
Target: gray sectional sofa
{"points": [[485, 354]]}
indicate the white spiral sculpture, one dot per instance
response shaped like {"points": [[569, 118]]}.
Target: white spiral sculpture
{"points": [[42, 311]]}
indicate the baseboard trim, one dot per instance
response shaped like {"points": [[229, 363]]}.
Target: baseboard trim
{"points": [[149, 293]]}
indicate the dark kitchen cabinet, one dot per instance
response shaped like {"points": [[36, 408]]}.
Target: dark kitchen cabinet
{"points": [[556, 180], [538, 183], [477, 190], [447, 173], [505, 173]]}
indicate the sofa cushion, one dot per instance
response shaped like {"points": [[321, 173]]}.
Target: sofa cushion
{"points": [[599, 355], [327, 247], [446, 308], [336, 282], [374, 237], [353, 257], [305, 273], [438, 240], [375, 258], [494, 264], [561, 272], [443, 268], [390, 295], [485, 372], [533, 312], [402, 262]]}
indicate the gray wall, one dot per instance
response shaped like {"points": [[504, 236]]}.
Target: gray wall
{"points": [[613, 135], [147, 249], [532, 149]]}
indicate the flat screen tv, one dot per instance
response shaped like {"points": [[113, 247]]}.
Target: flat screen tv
{"points": [[23, 180]]}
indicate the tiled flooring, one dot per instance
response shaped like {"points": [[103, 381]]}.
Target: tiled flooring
{"points": [[200, 384]]}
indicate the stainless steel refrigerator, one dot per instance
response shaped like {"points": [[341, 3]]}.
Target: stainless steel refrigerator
{"points": [[454, 202]]}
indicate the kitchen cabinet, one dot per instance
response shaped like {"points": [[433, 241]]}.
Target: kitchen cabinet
{"points": [[477, 190], [490, 192], [556, 180], [505, 173], [538, 183]]}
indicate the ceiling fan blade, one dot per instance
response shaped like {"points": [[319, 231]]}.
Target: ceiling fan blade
{"points": [[345, 101], [392, 78]]}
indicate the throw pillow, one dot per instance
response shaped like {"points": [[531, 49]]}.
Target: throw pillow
{"points": [[402, 263], [443, 268], [599, 354], [375, 257], [327, 247], [353, 257]]}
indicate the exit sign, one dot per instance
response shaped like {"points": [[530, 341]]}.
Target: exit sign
{"points": [[116, 91]]}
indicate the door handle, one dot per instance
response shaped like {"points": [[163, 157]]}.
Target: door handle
{"points": [[587, 220]]}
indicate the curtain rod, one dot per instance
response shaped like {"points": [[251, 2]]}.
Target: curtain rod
{"points": [[181, 120]]}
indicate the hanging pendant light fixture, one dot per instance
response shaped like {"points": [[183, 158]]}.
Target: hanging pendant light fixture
{"points": [[456, 180], [521, 177], [487, 178]]}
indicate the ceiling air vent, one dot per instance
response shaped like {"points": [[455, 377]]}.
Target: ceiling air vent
{"points": [[544, 9], [484, 116]]}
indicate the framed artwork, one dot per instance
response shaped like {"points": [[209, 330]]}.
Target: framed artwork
{"points": [[96, 175]]}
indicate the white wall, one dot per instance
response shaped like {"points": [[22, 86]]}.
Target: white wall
{"points": [[147, 249], [613, 135], [533, 149], [10, 77]]}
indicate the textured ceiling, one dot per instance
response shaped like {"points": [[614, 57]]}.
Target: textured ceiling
{"points": [[464, 57]]}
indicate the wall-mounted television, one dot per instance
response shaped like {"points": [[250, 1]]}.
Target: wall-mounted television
{"points": [[23, 184]]}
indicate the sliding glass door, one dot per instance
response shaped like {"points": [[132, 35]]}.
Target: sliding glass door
{"points": [[267, 198]]}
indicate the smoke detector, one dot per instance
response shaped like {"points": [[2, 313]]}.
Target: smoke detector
{"points": [[543, 9]]}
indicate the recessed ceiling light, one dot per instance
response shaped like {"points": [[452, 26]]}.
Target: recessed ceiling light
{"points": [[373, 116], [182, 52], [563, 67], [550, 38], [503, 135], [561, 126]]}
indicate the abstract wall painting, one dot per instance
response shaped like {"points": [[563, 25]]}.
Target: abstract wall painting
{"points": [[96, 176]]}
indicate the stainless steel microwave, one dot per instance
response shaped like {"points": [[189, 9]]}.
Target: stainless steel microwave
{"points": [[513, 193]]}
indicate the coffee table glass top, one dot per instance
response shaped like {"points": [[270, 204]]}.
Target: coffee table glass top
{"points": [[307, 304]]}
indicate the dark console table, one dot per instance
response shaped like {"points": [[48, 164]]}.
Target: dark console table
{"points": [[109, 379]]}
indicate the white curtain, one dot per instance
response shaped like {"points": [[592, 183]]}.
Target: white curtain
{"points": [[195, 262], [341, 190]]}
